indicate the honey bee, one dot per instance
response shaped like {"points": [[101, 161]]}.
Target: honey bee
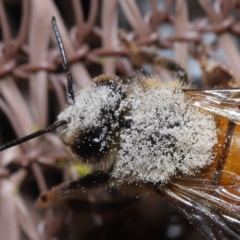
{"points": [[183, 143]]}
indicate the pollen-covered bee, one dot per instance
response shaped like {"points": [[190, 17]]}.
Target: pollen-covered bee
{"points": [[181, 142]]}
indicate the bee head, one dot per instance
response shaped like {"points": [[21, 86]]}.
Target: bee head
{"points": [[93, 121], [89, 125]]}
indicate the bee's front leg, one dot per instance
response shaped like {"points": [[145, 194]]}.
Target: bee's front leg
{"points": [[79, 190]]}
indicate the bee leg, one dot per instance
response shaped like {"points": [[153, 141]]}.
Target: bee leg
{"points": [[149, 55], [173, 66], [72, 190]]}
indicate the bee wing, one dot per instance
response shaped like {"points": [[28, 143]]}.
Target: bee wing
{"points": [[223, 102], [213, 209], [210, 200]]}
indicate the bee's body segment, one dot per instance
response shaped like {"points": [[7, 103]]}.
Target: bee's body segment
{"points": [[89, 135], [226, 115]]}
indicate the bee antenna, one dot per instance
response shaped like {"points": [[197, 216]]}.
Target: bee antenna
{"points": [[69, 91], [33, 135]]}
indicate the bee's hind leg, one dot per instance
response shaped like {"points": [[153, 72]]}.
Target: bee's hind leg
{"points": [[149, 55]]}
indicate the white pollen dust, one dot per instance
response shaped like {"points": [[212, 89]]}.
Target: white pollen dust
{"points": [[86, 113], [167, 137]]}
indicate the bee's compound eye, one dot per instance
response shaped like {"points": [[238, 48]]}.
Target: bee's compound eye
{"points": [[92, 146]]}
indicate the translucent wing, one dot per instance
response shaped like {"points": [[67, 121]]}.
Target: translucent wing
{"points": [[223, 102], [210, 200], [212, 209]]}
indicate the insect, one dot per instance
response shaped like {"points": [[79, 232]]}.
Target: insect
{"points": [[183, 143]]}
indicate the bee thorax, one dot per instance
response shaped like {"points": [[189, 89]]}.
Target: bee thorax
{"points": [[167, 137]]}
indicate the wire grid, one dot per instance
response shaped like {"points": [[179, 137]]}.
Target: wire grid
{"points": [[32, 83]]}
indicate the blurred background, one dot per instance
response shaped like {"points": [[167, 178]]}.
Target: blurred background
{"points": [[202, 36]]}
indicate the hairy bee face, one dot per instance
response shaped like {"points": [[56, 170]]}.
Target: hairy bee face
{"points": [[143, 130], [91, 134]]}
